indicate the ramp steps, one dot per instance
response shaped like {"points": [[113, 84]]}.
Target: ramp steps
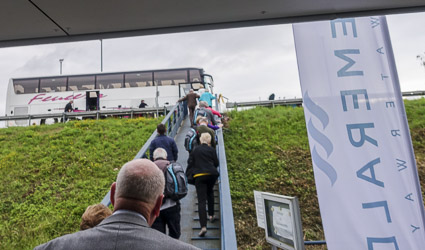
{"points": [[208, 228], [215, 211], [206, 238], [189, 206], [216, 220]]}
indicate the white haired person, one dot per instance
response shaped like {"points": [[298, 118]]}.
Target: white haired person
{"points": [[137, 197], [203, 163], [203, 105], [170, 210], [207, 97]]}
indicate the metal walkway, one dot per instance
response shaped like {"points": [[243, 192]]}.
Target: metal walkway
{"points": [[221, 234], [190, 226]]}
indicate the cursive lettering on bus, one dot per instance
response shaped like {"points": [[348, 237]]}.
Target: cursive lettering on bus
{"points": [[44, 98]]}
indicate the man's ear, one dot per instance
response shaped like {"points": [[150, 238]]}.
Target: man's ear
{"points": [[158, 205], [113, 188]]}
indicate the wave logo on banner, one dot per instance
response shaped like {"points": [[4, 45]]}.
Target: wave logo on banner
{"points": [[320, 138]]}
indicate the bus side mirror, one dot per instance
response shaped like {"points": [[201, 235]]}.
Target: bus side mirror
{"points": [[11, 112], [49, 110]]}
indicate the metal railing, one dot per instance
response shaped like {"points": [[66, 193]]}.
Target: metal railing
{"points": [[298, 101], [228, 234], [172, 121], [87, 114]]}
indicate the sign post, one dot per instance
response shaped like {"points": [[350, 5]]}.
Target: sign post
{"points": [[280, 217]]}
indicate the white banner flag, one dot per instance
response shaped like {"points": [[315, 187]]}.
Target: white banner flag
{"points": [[364, 166]]}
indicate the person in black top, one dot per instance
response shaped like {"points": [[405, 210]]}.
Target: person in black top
{"points": [[203, 163], [142, 104], [68, 107]]}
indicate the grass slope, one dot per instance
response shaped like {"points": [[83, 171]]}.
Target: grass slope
{"points": [[267, 150], [50, 174]]}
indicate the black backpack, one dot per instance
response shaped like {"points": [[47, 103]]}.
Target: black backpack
{"points": [[191, 140], [175, 182], [199, 112]]}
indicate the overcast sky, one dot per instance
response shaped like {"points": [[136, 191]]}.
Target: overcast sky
{"points": [[247, 63]]}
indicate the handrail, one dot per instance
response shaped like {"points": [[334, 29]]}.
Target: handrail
{"points": [[228, 234], [96, 114], [298, 101], [172, 121]]}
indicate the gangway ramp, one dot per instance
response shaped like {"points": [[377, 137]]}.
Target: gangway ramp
{"points": [[221, 234], [189, 207]]}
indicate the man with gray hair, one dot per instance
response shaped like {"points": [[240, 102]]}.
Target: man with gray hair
{"points": [[170, 209], [137, 198], [207, 97]]}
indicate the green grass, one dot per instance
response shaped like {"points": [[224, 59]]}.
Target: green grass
{"points": [[267, 150], [50, 174]]}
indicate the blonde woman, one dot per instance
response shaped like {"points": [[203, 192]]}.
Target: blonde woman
{"points": [[93, 215]]}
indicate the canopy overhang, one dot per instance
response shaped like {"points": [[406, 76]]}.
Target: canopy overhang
{"points": [[29, 22]]}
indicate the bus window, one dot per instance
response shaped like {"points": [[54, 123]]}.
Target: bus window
{"points": [[26, 86], [53, 85], [133, 80], [109, 81], [197, 86], [80, 83], [195, 75], [209, 80], [172, 77]]}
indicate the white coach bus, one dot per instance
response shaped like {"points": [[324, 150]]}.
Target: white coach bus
{"points": [[102, 91]]}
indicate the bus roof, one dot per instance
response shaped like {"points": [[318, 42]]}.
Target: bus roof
{"points": [[113, 72]]}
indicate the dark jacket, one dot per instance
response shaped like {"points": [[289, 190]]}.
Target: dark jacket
{"points": [[68, 107], [204, 129], [203, 160], [167, 143], [191, 99]]}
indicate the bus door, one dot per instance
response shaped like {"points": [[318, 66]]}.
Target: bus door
{"points": [[20, 111], [185, 87], [92, 100]]}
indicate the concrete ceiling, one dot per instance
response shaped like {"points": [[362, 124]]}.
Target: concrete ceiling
{"points": [[28, 22]]}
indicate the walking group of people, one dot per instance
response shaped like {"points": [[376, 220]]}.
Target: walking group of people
{"points": [[141, 212]]}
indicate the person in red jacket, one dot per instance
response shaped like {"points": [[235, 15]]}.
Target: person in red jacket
{"points": [[215, 112]]}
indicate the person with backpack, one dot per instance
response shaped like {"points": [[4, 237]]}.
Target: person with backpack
{"points": [[202, 166], [203, 111], [169, 215]]}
